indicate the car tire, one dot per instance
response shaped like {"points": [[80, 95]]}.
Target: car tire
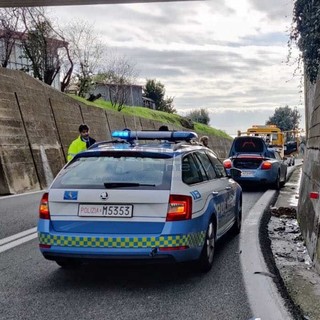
{"points": [[236, 228], [277, 184], [207, 254], [68, 263], [282, 183]]}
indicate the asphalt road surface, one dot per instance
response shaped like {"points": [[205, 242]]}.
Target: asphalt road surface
{"points": [[34, 288]]}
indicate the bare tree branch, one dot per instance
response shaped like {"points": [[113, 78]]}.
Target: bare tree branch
{"points": [[119, 74]]}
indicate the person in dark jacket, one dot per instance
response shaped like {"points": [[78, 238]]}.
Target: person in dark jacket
{"points": [[204, 140], [83, 142]]}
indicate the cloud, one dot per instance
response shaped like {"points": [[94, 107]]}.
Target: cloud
{"points": [[221, 55], [274, 9]]}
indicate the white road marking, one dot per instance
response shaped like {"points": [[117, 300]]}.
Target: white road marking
{"points": [[21, 194], [17, 239]]}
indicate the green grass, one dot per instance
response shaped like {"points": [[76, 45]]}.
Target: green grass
{"points": [[159, 116]]}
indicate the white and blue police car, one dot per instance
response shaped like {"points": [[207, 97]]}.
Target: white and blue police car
{"points": [[167, 198]]}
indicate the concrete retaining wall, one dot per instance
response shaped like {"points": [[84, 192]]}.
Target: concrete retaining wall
{"points": [[309, 209], [37, 124]]}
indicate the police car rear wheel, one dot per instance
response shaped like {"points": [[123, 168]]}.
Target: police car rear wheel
{"points": [[238, 223], [207, 254]]}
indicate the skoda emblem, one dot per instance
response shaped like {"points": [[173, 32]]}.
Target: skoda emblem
{"points": [[104, 196]]}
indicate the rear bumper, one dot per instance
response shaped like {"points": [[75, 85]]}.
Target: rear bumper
{"points": [[177, 246], [110, 258], [259, 176]]}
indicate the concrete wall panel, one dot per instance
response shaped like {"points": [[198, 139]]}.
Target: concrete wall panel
{"points": [[220, 146], [309, 209], [19, 169], [115, 121], [132, 122], [97, 120], [67, 116], [147, 124]]}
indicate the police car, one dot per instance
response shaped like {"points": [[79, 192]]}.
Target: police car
{"points": [[167, 198]]}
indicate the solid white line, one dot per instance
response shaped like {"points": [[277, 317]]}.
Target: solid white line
{"points": [[17, 242], [17, 236], [21, 194]]}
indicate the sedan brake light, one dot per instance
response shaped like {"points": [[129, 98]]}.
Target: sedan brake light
{"points": [[179, 208], [44, 212], [266, 165], [227, 164]]}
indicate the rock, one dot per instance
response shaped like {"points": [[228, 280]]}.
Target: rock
{"points": [[279, 229]]}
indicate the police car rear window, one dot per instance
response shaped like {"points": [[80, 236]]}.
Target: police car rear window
{"points": [[126, 171]]}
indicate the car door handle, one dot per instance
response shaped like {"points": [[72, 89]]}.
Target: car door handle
{"points": [[228, 188], [215, 193]]}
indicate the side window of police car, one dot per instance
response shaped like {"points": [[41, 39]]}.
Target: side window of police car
{"points": [[218, 166], [207, 165], [191, 172]]}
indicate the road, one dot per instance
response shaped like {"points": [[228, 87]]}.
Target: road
{"points": [[34, 288]]}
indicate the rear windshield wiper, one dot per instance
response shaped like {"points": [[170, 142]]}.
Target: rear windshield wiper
{"points": [[126, 184]]}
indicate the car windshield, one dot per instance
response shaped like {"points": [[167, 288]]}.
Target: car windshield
{"points": [[109, 171]]}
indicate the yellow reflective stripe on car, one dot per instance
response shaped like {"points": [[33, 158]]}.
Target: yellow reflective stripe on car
{"points": [[190, 240]]}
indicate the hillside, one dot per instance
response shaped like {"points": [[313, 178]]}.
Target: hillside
{"points": [[159, 116]]}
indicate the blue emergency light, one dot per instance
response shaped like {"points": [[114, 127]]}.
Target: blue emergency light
{"points": [[172, 136]]}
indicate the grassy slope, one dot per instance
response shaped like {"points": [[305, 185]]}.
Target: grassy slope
{"points": [[159, 116]]}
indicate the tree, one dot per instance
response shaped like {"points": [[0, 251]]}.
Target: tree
{"points": [[285, 118], [86, 52], [155, 90], [119, 75], [199, 115], [305, 32], [41, 44], [10, 32]]}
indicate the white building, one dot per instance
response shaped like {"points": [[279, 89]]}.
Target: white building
{"points": [[18, 59]]}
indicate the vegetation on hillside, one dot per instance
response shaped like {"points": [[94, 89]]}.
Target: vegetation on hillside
{"points": [[305, 32], [155, 115], [199, 115], [156, 91]]}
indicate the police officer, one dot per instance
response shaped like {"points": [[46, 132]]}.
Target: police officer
{"points": [[83, 142]]}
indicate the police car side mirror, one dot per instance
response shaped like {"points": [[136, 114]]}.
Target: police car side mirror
{"points": [[235, 173]]}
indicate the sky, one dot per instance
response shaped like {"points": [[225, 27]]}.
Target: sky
{"points": [[227, 56]]}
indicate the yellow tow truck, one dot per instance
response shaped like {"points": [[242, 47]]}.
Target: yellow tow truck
{"points": [[271, 134]]}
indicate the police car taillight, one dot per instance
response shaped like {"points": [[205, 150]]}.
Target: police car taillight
{"points": [[44, 212], [227, 164], [179, 208]]}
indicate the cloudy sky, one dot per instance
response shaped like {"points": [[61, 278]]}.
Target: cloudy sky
{"points": [[228, 56]]}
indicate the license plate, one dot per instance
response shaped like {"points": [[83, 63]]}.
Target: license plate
{"points": [[247, 173], [105, 210]]}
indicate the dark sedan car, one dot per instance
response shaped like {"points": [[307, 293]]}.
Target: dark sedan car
{"points": [[258, 163]]}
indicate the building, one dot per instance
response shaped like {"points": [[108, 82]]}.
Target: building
{"points": [[18, 59], [149, 103], [132, 94]]}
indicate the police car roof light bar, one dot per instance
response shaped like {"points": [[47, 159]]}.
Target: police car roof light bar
{"points": [[155, 135]]}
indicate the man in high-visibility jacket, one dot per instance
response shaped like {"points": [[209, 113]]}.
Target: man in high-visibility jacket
{"points": [[83, 142]]}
